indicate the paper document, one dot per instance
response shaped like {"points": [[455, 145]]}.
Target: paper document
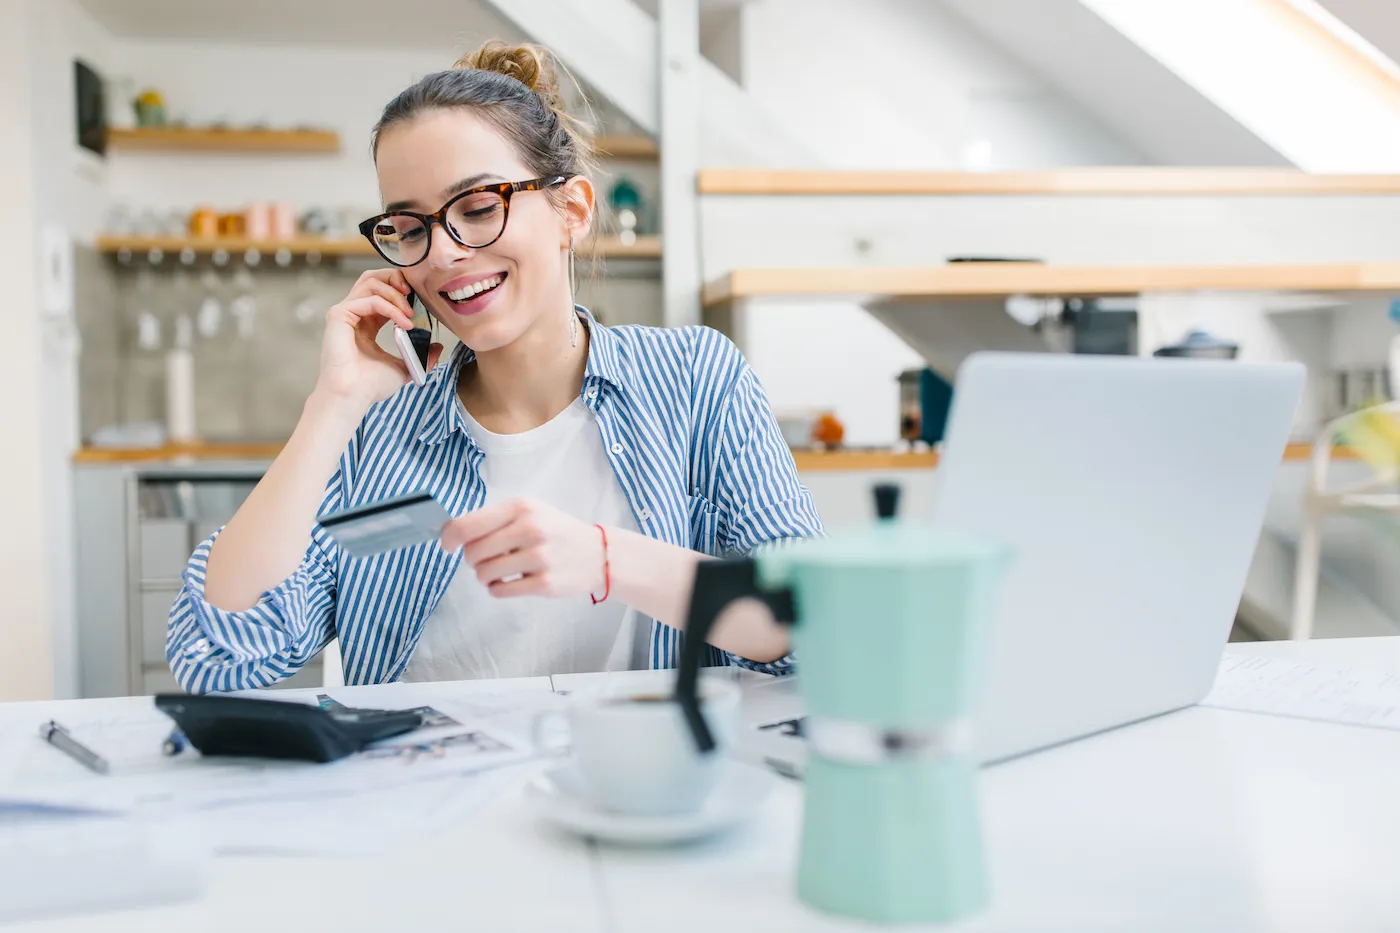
{"points": [[32, 772], [1285, 687], [356, 824], [55, 866]]}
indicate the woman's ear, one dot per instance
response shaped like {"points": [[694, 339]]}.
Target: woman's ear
{"points": [[578, 208]]}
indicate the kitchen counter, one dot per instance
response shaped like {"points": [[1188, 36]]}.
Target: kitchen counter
{"points": [[807, 460], [177, 452]]}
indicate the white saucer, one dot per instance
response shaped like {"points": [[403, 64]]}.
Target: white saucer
{"points": [[561, 797]]}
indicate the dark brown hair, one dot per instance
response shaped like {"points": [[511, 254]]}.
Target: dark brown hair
{"points": [[516, 89]]}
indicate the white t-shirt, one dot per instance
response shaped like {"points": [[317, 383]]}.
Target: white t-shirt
{"points": [[473, 634]]}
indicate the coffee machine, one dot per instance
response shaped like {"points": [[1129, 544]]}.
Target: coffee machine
{"points": [[890, 633]]}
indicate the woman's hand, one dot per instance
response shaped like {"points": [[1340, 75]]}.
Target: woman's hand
{"points": [[354, 367], [526, 548]]}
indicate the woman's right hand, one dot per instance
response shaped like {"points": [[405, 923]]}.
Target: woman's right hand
{"points": [[354, 368]]}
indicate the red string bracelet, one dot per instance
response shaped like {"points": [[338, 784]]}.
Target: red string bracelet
{"points": [[607, 569]]}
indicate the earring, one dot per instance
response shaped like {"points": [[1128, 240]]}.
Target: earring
{"points": [[573, 289]]}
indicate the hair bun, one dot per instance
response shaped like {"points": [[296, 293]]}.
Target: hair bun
{"points": [[529, 64]]}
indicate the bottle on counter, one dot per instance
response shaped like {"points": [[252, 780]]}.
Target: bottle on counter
{"points": [[179, 384]]}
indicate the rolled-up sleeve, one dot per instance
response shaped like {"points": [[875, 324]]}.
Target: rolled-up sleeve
{"points": [[211, 649], [760, 498]]}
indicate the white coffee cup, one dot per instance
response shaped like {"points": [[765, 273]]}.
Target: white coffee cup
{"points": [[634, 751]]}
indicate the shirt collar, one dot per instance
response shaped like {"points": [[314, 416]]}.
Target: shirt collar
{"points": [[440, 417]]}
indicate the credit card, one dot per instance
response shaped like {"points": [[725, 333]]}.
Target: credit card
{"points": [[387, 525]]}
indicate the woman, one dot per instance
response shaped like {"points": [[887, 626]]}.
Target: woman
{"points": [[590, 467]]}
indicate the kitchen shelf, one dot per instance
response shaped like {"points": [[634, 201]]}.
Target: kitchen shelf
{"points": [[196, 139], [992, 279], [626, 147], [300, 246], [646, 247], [1127, 180]]}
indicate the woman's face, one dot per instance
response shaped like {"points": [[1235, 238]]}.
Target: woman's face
{"points": [[488, 297]]}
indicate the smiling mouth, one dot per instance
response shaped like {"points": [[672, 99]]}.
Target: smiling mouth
{"points": [[469, 293]]}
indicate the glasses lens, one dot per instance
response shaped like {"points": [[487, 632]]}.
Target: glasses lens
{"points": [[401, 238], [477, 219]]}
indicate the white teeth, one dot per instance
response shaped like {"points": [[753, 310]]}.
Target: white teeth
{"points": [[476, 288]]}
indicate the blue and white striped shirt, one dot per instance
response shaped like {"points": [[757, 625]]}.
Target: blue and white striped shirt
{"points": [[693, 443]]}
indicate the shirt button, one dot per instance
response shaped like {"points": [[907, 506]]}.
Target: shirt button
{"points": [[198, 649], [644, 515], [617, 448], [592, 392]]}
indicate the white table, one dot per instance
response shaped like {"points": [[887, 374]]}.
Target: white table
{"points": [[1201, 820]]}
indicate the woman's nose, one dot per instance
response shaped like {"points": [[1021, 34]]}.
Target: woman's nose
{"points": [[443, 250]]}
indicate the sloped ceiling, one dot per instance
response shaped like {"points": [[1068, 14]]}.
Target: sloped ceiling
{"points": [[1070, 47], [1376, 21]]}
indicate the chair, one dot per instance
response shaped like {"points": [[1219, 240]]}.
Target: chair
{"points": [[1374, 433], [332, 669]]}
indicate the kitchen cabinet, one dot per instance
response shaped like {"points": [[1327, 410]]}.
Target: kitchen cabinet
{"points": [[137, 524]]}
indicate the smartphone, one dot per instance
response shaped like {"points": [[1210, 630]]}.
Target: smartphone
{"points": [[410, 356], [413, 347]]}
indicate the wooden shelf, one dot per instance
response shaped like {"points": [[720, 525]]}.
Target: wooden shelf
{"points": [[990, 279], [626, 147], [300, 246], [1087, 181], [196, 139], [646, 247]]}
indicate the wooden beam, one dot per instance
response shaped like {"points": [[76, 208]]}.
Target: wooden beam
{"points": [[1086, 181], [964, 280]]}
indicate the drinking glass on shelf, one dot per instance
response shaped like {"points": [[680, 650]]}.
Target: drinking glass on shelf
{"points": [[147, 323], [211, 311], [307, 310], [244, 307]]}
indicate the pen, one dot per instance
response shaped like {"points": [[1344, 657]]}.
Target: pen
{"points": [[174, 743], [59, 738]]}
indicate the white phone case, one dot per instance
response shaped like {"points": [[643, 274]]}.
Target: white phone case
{"points": [[410, 357]]}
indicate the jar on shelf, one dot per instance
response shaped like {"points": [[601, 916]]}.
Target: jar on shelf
{"points": [[204, 223]]}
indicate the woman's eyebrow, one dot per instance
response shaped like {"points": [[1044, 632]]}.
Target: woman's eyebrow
{"points": [[456, 188]]}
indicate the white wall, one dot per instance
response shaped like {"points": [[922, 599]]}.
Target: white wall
{"points": [[1361, 334], [68, 194], [342, 89], [26, 657], [892, 84]]}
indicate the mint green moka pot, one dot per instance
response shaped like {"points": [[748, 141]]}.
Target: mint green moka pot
{"points": [[890, 634]]}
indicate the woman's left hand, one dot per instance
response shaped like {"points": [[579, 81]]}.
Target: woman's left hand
{"points": [[522, 547]]}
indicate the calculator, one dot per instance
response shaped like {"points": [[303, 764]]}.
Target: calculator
{"points": [[248, 727]]}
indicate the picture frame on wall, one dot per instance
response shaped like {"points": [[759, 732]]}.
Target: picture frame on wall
{"points": [[90, 107]]}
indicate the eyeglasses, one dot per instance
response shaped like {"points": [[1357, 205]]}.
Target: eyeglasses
{"points": [[475, 218]]}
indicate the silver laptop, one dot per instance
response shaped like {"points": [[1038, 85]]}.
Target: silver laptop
{"points": [[1132, 492]]}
